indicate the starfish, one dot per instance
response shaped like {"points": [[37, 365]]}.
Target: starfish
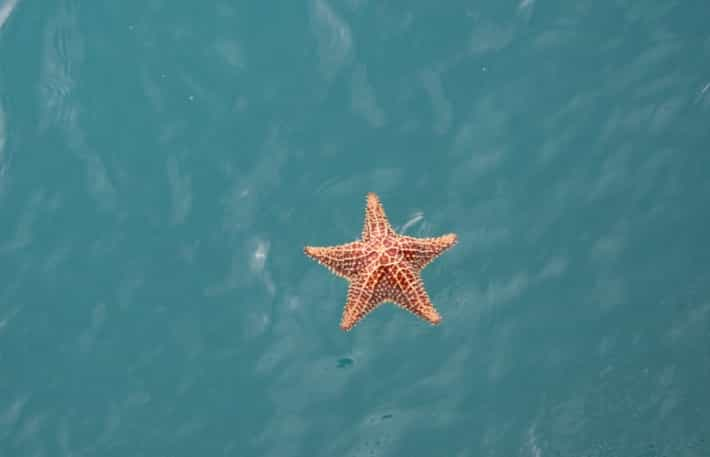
{"points": [[383, 266]]}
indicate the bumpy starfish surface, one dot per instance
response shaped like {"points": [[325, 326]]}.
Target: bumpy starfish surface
{"points": [[383, 266]]}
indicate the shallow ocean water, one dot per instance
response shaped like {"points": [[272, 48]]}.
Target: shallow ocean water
{"points": [[162, 165]]}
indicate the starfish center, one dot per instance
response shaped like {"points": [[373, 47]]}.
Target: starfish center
{"points": [[385, 252]]}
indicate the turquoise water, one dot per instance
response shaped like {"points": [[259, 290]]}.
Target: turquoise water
{"points": [[163, 163]]}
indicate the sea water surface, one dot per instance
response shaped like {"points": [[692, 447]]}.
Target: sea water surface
{"points": [[163, 163]]}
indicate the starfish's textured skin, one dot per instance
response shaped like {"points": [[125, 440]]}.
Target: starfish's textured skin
{"points": [[383, 266]]}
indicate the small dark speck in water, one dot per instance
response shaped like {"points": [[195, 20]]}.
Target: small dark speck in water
{"points": [[345, 362], [387, 416]]}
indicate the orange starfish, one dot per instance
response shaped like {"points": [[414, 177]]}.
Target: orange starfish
{"points": [[383, 266]]}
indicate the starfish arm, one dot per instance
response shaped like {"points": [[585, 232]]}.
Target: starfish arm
{"points": [[409, 293], [420, 252], [345, 260], [360, 300], [376, 223]]}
